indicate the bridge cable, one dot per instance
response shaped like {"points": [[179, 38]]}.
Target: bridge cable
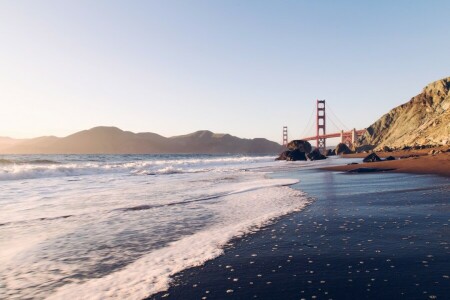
{"points": [[335, 116], [337, 127], [308, 125]]}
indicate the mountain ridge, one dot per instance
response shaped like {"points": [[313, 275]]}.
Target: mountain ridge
{"points": [[113, 140]]}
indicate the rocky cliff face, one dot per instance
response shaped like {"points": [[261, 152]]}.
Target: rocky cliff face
{"points": [[424, 120]]}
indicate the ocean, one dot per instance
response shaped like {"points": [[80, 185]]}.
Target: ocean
{"points": [[119, 226]]}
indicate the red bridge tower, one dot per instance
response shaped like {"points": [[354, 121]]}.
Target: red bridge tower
{"points": [[320, 141], [285, 136]]}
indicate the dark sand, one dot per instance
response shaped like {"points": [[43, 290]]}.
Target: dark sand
{"points": [[367, 236], [417, 163]]}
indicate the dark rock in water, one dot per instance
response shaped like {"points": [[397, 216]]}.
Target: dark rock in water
{"points": [[390, 158], [369, 170], [316, 155], [301, 145], [292, 155], [284, 155], [372, 158], [364, 148], [342, 148], [296, 155], [352, 164], [331, 152]]}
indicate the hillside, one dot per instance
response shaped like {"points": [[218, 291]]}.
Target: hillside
{"points": [[424, 120], [112, 140]]}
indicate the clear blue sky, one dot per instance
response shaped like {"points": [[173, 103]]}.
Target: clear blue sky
{"points": [[241, 67]]}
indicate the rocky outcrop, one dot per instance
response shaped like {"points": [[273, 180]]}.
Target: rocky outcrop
{"points": [[371, 158], [424, 120], [331, 152], [292, 155], [315, 155], [342, 148], [298, 150], [301, 145], [295, 155], [283, 155]]}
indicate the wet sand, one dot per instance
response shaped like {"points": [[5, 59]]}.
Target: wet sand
{"points": [[417, 163], [367, 236]]}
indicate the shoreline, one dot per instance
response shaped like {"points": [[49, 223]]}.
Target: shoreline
{"points": [[373, 236], [413, 162]]}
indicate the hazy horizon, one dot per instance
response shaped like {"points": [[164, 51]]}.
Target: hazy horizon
{"points": [[122, 129], [242, 68]]}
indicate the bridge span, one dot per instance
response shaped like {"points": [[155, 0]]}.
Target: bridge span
{"points": [[348, 137]]}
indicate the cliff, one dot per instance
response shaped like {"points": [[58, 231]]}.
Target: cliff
{"points": [[424, 120]]}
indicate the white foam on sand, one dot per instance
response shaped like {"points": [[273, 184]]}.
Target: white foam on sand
{"points": [[249, 207], [122, 235]]}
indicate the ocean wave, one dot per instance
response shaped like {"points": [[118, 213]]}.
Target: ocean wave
{"points": [[127, 235], [152, 272], [28, 162], [16, 169], [5, 161]]}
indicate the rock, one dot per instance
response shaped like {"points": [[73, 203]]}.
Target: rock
{"points": [[292, 155], [284, 155], [330, 152], [364, 148], [295, 155], [297, 151], [372, 158], [352, 164], [390, 158], [316, 155], [342, 148], [303, 146], [387, 149], [432, 152]]}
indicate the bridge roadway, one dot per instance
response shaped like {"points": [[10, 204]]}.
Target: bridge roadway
{"points": [[345, 136]]}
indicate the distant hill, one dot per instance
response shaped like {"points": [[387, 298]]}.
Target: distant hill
{"points": [[112, 140], [424, 120]]}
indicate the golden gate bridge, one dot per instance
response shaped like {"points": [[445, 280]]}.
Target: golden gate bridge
{"points": [[348, 137]]}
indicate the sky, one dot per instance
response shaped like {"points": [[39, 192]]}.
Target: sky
{"points": [[247, 68]]}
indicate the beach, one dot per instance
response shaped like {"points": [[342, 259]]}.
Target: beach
{"points": [[365, 236], [416, 162], [217, 226]]}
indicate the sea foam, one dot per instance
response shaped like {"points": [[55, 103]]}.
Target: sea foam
{"points": [[239, 213], [122, 234], [31, 168]]}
